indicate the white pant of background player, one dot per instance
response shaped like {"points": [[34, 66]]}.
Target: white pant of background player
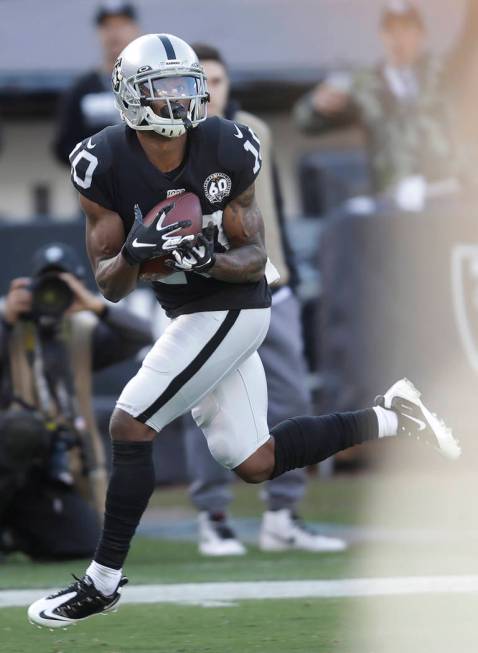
{"points": [[207, 363]]}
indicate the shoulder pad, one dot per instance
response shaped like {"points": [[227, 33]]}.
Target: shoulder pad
{"points": [[258, 126], [91, 165], [95, 147], [240, 153]]}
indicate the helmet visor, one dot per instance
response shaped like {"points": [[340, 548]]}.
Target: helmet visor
{"points": [[171, 88]]}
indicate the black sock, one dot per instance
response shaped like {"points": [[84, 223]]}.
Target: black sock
{"points": [[302, 441], [130, 488]]}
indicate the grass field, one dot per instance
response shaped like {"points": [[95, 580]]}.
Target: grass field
{"points": [[435, 624], [439, 623]]}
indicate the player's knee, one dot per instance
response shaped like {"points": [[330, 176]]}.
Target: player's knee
{"points": [[259, 466], [222, 449], [125, 427]]}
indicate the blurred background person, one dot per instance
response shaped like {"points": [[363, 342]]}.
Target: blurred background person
{"points": [[462, 84], [282, 356], [400, 103], [54, 333], [88, 106]]}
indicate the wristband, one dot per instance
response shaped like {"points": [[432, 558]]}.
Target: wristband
{"points": [[128, 258]]}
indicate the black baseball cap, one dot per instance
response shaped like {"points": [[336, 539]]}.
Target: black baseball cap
{"points": [[115, 8], [57, 256], [401, 10]]}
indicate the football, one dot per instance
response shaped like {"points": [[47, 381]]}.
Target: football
{"points": [[184, 207]]}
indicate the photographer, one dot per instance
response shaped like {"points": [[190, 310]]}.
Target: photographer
{"points": [[53, 334]]}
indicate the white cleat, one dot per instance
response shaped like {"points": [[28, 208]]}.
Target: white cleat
{"points": [[416, 421], [216, 537], [281, 530], [75, 603]]}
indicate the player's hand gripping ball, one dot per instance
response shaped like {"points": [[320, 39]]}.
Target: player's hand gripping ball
{"points": [[169, 224], [197, 255]]}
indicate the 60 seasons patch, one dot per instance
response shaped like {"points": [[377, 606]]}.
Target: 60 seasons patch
{"points": [[217, 186]]}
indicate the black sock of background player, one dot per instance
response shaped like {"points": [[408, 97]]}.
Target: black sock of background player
{"points": [[130, 488], [302, 441]]}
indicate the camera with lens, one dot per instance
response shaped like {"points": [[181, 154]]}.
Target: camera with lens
{"points": [[51, 296]]}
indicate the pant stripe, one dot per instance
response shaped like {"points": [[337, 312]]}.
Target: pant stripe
{"points": [[194, 366]]}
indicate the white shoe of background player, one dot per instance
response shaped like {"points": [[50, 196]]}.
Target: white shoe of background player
{"points": [[216, 537], [281, 530], [416, 421]]}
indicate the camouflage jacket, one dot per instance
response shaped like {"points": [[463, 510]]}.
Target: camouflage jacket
{"points": [[404, 137]]}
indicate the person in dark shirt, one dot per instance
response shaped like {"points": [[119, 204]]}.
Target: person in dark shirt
{"points": [[54, 334], [88, 106]]}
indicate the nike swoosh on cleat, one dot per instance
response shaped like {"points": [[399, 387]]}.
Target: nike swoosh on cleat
{"points": [[285, 539], [136, 243], [90, 145], [44, 615], [421, 424]]}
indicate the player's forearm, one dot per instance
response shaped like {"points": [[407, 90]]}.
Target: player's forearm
{"points": [[115, 278], [243, 265]]}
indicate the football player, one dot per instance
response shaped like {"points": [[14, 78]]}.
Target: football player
{"points": [[206, 361]]}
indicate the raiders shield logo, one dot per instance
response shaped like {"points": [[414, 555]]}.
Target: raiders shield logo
{"points": [[464, 278]]}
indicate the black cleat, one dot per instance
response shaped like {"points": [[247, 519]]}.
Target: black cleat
{"points": [[76, 602]]}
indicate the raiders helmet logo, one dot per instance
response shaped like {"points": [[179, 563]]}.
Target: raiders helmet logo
{"points": [[464, 279], [217, 186], [116, 76]]}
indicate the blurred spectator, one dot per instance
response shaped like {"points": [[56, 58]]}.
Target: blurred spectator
{"points": [[88, 106], [282, 356], [53, 334], [399, 102], [462, 85]]}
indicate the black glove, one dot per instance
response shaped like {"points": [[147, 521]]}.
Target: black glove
{"points": [[146, 242], [197, 256]]}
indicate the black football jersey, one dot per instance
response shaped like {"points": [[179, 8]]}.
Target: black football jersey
{"points": [[222, 159]]}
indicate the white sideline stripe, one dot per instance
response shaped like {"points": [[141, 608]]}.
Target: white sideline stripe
{"points": [[215, 593]]}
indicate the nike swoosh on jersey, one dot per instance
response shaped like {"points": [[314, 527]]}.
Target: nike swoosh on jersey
{"points": [[90, 145], [420, 422], [136, 243], [239, 133]]}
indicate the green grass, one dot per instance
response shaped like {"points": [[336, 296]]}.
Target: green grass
{"points": [[438, 624], [374, 625], [159, 561], [336, 500], [252, 626], [408, 506]]}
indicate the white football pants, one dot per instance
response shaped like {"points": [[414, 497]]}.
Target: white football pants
{"points": [[207, 363]]}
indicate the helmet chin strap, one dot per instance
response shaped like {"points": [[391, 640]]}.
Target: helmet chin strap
{"points": [[180, 113]]}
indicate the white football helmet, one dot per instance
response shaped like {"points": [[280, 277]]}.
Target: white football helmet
{"points": [[160, 67]]}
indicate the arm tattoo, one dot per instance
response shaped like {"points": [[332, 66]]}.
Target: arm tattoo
{"points": [[246, 259]]}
